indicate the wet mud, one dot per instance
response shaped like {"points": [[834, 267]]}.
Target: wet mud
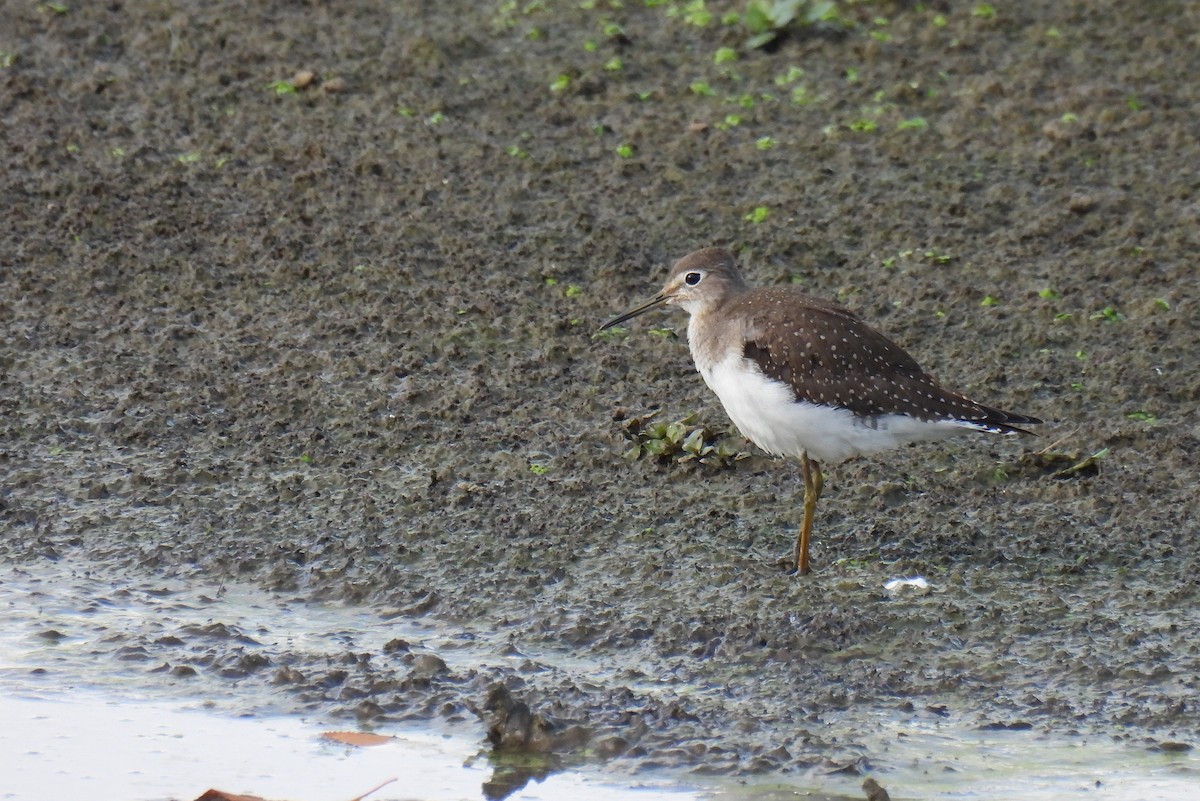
{"points": [[336, 341]]}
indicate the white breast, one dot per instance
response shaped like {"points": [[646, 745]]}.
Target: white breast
{"points": [[767, 412]]}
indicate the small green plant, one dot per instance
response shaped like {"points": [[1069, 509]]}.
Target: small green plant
{"points": [[696, 13], [1048, 294], [282, 87], [1088, 466], [561, 83], [801, 96], [767, 19], [1109, 315], [764, 143], [625, 150], [984, 11], [989, 301], [725, 55], [791, 76], [758, 215], [538, 469], [1144, 417], [913, 124], [702, 88], [516, 152], [1063, 465], [573, 291], [612, 334], [612, 30], [614, 64]]}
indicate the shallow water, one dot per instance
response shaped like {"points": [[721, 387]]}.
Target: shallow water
{"points": [[68, 686], [93, 746]]}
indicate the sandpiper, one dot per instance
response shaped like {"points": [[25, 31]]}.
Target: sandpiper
{"points": [[806, 378]]}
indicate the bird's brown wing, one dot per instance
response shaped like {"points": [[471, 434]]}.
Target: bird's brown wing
{"points": [[831, 357]]}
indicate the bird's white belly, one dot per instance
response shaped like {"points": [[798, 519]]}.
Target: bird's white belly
{"points": [[767, 412]]}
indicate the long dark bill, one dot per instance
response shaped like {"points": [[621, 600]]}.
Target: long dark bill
{"points": [[645, 307]]}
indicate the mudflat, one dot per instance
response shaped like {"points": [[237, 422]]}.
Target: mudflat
{"points": [[304, 296]]}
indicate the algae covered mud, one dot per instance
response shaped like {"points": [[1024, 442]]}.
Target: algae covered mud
{"points": [[332, 339]]}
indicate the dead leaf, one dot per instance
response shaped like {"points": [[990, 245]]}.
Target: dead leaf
{"points": [[357, 738], [221, 795]]}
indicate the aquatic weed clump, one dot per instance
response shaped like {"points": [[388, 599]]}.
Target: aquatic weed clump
{"points": [[682, 442]]}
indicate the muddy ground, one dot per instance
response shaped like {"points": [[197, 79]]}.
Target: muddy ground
{"points": [[338, 342]]}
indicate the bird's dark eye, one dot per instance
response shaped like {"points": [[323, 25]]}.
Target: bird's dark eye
{"points": [[691, 279]]}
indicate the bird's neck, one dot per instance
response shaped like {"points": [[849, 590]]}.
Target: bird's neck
{"points": [[711, 336]]}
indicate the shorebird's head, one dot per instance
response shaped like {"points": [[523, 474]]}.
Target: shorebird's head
{"points": [[698, 282]]}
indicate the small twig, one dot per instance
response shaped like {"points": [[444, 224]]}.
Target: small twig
{"points": [[1058, 441], [373, 789]]}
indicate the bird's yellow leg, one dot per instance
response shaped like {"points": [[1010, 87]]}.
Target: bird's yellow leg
{"points": [[814, 483]]}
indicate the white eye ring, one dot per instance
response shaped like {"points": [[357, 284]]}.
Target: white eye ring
{"points": [[693, 278]]}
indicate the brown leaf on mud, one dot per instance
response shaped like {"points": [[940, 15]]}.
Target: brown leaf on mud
{"points": [[221, 795], [358, 738]]}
